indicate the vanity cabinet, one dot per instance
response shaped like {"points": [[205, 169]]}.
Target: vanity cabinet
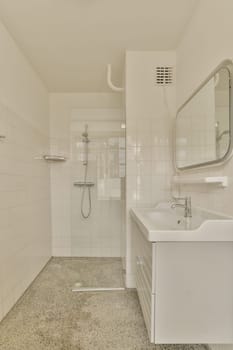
{"points": [[185, 289], [145, 281]]}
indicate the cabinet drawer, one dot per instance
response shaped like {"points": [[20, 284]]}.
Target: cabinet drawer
{"points": [[144, 254], [146, 298]]}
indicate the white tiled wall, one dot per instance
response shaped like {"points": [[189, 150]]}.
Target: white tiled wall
{"points": [[24, 206], [149, 113], [214, 42], [101, 234], [196, 131], [24, 179], [192, 69]]}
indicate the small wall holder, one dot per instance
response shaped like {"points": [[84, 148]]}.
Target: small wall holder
{"points": [[84, 184], [191, 180], [54, 158]]}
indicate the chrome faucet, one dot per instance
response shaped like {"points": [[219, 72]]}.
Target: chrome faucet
{"points": [[186, 205]]}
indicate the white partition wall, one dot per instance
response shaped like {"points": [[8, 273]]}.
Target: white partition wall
{"points": [[150, 108]]}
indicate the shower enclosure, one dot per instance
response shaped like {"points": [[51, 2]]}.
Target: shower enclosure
{"points": [[97, 182]]}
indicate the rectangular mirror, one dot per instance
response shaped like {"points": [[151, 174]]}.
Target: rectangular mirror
{"points": [[204, 122]]}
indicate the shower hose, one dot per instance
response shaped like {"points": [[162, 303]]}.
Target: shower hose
{"points": [[86, 189]]}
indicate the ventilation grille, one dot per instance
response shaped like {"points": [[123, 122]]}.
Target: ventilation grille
{"points": [[164, 75]]}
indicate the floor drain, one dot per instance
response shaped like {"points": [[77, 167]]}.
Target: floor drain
{"points": [[93, 289]]}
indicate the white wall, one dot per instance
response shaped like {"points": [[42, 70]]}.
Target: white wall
{"points": [[206, 42], [24, 180], [149, 109], [20, 86], [73, 236]]}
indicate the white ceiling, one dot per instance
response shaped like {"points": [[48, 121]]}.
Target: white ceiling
{"points": [[69, 42]]}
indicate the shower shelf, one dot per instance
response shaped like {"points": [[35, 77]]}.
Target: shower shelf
{"points": [[55, 158], [215, 180], [83, 184]]}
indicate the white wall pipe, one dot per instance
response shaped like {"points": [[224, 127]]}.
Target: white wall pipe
{"points": [[109, 80]]}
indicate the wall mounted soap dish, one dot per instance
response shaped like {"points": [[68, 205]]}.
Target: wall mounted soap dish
{"points": [[84, 184], [54, 158]]}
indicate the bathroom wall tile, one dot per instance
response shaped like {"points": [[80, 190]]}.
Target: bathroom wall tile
{"points": [[160, 167], [144, 153], [131, 167], [143, 168], [25, 232], [144, 194], [131, 188], [61, 251], [131, 153]]}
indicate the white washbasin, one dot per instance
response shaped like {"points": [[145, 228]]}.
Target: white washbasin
{"points": [[162, 223]]}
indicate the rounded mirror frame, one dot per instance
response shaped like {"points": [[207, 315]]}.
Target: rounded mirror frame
{"points": [[227, 64]]}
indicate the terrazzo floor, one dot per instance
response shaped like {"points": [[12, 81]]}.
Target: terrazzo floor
{"points": [[49, 316]]}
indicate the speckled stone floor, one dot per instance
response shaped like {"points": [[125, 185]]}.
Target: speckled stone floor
{"points": [[50, 316]]}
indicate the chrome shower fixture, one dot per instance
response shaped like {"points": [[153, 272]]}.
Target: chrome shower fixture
{"points": [[86, 188], [85, 135]]}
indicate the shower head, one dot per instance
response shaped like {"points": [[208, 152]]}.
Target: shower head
{"points": [[85, 134]]}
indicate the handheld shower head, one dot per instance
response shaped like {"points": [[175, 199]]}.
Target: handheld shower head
{"points": [[85, 134]]}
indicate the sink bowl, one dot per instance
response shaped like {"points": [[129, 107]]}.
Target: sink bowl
{"points": [[162, 223]]}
